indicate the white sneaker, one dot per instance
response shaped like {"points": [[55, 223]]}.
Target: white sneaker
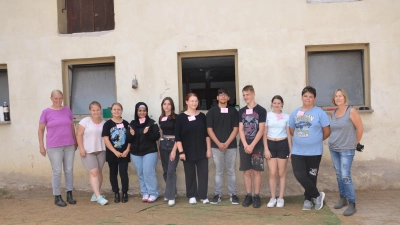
{"points": [[205, 201], [280, 203], [145, 198], [192, 200], [152, 199], [271, 203], [94, 198], [165, 199], [171, 202], [101, 200]]}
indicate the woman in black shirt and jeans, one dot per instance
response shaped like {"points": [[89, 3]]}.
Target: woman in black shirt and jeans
{"points": [[144, 152], [167, 148], [194, 148]]}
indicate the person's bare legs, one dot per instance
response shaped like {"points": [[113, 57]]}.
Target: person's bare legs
{"points": [[247, 180], [257, 181], [100, 179], [272, 166], [282, 163], [95, 181]]}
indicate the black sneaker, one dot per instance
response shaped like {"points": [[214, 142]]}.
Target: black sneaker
{"points": [[247, 201], [234, 200], [215, 200], [257, 202]]}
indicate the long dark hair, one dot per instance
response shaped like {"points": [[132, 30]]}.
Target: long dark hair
{"points": [[172, 116], [277, 97]]}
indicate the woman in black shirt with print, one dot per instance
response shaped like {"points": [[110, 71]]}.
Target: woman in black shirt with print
{"points": [[194, 148], [117, 140]]}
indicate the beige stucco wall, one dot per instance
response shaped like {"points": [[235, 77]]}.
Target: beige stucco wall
{"points": [[270, 38]]}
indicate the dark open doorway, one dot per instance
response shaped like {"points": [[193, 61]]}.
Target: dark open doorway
{"points": [[205, 75]]}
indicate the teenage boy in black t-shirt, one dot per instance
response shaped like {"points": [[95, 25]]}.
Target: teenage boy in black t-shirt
{"points": [[222, 127], [252, 119]]}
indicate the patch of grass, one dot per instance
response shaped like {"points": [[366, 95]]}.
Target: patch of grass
{"points": [[5, 194], [9, 197], [3, 191], [109, 221]]}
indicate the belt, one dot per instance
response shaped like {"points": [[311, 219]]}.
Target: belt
{"points": [[167, 139]]}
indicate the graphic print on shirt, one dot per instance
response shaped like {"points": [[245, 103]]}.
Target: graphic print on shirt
{"points": [[303, 124], [250, 124], [118, 136]]}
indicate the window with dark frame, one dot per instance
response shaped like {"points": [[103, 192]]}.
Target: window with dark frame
{"points": [[4, 90], [4, 94], [346, 68], [91, 82], [88, 15], [205, 75]]}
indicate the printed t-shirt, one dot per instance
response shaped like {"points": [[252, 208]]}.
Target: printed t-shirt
{"points": [[307, 126], [251, 124], [118, 134]]}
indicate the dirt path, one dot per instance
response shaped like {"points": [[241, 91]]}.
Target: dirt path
{"points": [[35, 206]]}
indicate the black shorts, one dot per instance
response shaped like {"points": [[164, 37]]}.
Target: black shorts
{"points": [[279, 149], [253, 161]]}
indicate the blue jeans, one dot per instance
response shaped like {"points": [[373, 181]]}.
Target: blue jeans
{"points": [[225, 159], [342, 163], [146, 169]]}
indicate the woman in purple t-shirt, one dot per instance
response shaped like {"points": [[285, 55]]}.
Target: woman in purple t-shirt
{"points": [[60, 144]]}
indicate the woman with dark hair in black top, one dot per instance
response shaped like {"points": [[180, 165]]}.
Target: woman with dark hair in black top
{"points": [[194, 148], [167, 148], [144, 154]]}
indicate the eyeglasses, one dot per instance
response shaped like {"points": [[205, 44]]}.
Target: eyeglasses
{"points": [[222, 95]]}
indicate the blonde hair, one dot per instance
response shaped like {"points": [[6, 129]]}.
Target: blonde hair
{"points": [[346, 99], [56, 91], [94, 103], [248, 88], [118, 104]]}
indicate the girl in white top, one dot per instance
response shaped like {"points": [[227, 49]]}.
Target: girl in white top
{"points": [[92, 149], [277, 149]]}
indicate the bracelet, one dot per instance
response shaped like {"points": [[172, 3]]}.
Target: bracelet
{"points": [[180, 153]]}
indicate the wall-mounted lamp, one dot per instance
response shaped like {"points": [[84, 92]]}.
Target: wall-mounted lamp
{"points": [[134, 82]]}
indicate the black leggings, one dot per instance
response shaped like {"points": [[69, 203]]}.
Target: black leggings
{"points": [[123, 173]]}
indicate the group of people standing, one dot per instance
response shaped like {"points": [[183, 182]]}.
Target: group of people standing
{"points": [[193, 137]]}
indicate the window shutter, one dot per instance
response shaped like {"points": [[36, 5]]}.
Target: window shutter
{"points": [[103, 15], [80, 16]]}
